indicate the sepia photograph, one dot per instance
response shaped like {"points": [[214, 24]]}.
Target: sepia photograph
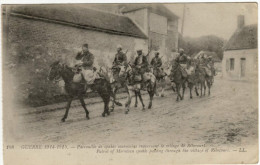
{"points": [[130, 83]]}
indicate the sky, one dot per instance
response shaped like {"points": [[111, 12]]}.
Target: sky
{"points": [[218, 19]]}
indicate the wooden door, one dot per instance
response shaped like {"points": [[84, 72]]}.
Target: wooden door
{"points": [[243, 67]]}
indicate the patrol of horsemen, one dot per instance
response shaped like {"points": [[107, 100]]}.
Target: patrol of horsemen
{"points": [[183, 71], [125, 83]]}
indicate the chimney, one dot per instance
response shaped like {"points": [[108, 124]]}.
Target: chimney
{"points": [[240, 21]]}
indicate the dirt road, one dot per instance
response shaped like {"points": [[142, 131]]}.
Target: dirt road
{"points": [[227, 117]]}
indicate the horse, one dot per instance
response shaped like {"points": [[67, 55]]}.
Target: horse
{"points": [[209, 80], [116, 83], [134, 87], [168, 70], [103, 88], [178, 79], [201, 79], [210, 77], [192, 78], [160, 76]]}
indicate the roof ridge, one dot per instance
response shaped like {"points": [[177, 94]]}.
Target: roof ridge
{"points": [[85, 17], [102, 11]]}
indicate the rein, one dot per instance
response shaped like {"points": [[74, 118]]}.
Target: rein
{"points": [[62, 68]]}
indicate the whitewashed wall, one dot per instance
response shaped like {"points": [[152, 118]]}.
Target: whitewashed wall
{"points": [[251, 64]]}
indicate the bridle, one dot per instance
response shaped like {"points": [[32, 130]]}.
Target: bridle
{"points": [[58, 77]]}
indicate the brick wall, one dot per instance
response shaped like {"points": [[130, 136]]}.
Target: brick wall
{"points": [[33, 45]]}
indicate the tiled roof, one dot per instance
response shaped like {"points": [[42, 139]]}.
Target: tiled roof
{"points": [[84, 17], [245, 38]]}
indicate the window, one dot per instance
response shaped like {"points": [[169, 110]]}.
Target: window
{"points": [[232, 64]]}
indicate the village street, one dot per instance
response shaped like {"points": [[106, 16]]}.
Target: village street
{"points": [[227, 117]]}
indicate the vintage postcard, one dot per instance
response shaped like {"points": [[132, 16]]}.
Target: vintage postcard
{"points": [[130, 83]]}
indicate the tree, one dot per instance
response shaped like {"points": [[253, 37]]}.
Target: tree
{"points": [[207, 43]]}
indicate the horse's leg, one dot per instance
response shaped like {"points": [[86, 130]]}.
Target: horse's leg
{"points": [[156, 91], [106, 105], [151, 94], [191, 87], [201, 85], [115, 101], [163, 87], [127, 105], [105, 93], [141, 99], [209, 85], [205, 88], [84, 106], [196, 89], [67, 109], [106, 98], [173, 88], [183, 91], [136, 101], [178, 91]]}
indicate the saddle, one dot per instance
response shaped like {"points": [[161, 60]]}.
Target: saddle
{"points": [[86, 76], [137, 75], [78, 78], [141, 75]]}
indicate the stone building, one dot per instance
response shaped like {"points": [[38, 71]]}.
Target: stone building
{"points": [[158, 23], [37, 35], [240, 60]]}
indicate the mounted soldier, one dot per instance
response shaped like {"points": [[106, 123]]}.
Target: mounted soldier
{"points": [[156, 64], [141, 66], [211, 65], [183, 59], [203, 60], [120, 57], [85, 60], [203, 63]]}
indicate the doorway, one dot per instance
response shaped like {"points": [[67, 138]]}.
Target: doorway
{"points": [[243, 67]]}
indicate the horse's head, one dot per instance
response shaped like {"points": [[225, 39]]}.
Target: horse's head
{"points": [[175, 64], [55, 70], [124, 69], [103, 70], [168, 69]]}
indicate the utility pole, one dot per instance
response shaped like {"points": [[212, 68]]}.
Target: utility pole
{"points": [[183, 17], [182, 25]]}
